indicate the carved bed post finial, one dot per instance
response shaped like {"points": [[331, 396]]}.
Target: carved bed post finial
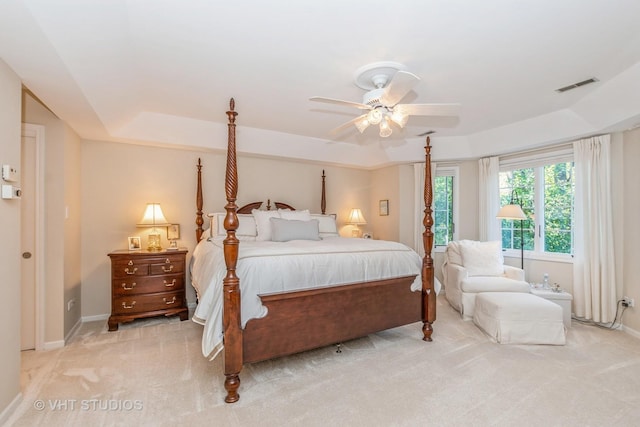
{"points": [[428, 288], [231, 282], [323, 199], [199, 219]]}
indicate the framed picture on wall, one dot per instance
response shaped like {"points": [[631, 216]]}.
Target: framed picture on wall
{"points": [[384, 208], [173, 232], [134, 243]]}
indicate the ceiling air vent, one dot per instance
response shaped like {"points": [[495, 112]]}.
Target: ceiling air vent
{"points": [[429, 132], [576, 85]]}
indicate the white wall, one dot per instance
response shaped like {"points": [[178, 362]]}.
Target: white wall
{"points": [[10, 112]]}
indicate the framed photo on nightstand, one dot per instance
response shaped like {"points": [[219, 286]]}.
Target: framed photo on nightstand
{"points": [[134, 243]]}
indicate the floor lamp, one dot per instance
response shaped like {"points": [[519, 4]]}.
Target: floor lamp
{"points": [[514, 211]]}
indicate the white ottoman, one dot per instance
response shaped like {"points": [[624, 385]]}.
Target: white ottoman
{"points": [[519, 318]]}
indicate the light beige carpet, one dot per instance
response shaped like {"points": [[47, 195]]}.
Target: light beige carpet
{"points": [[152, 373]]}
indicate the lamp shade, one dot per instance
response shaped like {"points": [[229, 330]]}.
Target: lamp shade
{"points": [[355, 217], [153, 217], [362, 124], [511, 212]]}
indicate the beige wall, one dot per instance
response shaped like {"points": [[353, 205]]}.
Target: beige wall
{"points": [[119, 179], [630, 193], [385, 185], [72, 232], [10, 102]]}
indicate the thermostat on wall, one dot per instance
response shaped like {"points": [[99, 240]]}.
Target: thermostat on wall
{"points": [[9, 173]]}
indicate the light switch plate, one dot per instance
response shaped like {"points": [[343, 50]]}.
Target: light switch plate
{"points": [[11, 192]]}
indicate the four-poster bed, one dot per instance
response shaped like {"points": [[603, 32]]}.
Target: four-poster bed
{"points": [[301, 320]]}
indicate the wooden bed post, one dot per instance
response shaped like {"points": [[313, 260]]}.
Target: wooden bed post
{"points": [[323, 198], [199, 220], [231, 283], [428, 290]]}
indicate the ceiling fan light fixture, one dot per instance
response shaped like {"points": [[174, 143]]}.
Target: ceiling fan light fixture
{"points": [[362, 124], [399, 118], [385, 128], [375, 116]]}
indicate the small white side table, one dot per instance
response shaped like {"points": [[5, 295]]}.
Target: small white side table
{"points": [[563, 299]]}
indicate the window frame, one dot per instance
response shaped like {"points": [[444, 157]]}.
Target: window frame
{"points": [[453, 171], [538, 160]]}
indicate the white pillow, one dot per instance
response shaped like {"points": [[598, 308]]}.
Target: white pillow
{"points": [[246, 226], [263, 225], [482, 258], [283, 230], [327, 225], [298, 215]]}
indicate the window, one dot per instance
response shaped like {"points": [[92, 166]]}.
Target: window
{"points": [[545, 190], [445, 197]]}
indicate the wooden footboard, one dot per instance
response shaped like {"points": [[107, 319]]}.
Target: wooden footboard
{"points": [[303, 320]]}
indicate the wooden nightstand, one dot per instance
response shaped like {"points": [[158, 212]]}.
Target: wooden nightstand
{"points": [[146, 284]]}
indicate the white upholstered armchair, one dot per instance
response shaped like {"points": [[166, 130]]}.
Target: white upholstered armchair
{"points": [[471, 267]]}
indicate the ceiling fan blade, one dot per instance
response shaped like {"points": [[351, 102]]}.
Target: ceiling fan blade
{"points": [[400, 85], [340, 102], [429, 109], [346, 125]]}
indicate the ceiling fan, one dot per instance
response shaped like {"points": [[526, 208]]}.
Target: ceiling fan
{"points": [[386, 84]]}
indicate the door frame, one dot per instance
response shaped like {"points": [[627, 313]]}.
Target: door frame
{"points": [[38, 133]]}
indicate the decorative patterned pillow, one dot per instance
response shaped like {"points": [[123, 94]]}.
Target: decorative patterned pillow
{"points": [[283, 230]]}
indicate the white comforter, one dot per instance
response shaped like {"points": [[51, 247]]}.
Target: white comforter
{"points": [[267, 267]]}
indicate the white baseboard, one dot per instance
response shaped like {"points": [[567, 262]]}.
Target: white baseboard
{"points": [[631, 332], [73, 330], [52, 345], [11, 407], [95, 318]]}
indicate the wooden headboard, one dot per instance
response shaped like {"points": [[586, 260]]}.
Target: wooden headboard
{"points": [[246, 209]]}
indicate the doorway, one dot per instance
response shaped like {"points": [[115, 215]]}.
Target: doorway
{"points": [[32, 237]]}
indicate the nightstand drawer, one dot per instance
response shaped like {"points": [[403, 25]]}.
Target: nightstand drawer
{"points": [[148, 302], [147, 285], [129, 267], [168, 265]]}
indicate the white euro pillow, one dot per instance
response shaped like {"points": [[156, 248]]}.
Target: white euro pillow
{"points": [[298, 215], [263, 225]]}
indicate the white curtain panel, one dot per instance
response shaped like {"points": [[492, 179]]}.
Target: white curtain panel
{"points": [[418, 228], [489, 199], [593, 266]]}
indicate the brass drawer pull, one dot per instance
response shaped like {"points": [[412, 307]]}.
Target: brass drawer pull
{"points": [[167, 270], [126, 270], [127, 288], [124, 305], [170, 285], [173, 301]]}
